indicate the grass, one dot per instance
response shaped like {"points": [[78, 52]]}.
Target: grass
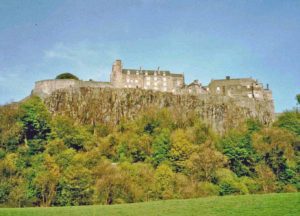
{"points": [[254, 205]]}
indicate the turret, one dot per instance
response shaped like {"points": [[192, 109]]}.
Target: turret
{"points": [[116, 75]]}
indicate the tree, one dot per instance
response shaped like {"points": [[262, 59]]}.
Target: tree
{"points": [[10, 128], [35, 119], [181, 149], [112, 184], [47, 180], [204, 162], [298, 98], [161, 147], [289, 120], [66, 76], [164, 180], [265, 178], [75, 186], [74, 136], [275, 146]]}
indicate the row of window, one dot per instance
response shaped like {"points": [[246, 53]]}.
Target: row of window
{"points": [[146, 73], [155, 87]]}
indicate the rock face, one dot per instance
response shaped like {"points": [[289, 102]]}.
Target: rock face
{"points": [[107, 105]]}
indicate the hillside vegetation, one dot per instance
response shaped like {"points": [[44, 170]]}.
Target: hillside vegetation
{"points": [[247, 205], [52, 161]]}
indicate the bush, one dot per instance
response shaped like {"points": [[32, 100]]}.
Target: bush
{"points": [[67, 76], [229, 183], [207, 189]]}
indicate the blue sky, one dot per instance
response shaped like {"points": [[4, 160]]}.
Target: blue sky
{"points": [[204, 39]]}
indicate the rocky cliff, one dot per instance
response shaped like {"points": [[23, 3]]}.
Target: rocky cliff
{"points": [[107, 105]]}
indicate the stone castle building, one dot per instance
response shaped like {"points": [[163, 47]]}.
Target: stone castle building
{"points": [[222, 104], [162, 81]]}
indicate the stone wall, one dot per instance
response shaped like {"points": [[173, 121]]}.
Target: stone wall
{"points": [[45, 88], [109, 105]]}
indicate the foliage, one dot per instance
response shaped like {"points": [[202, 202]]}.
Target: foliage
{"points": [[161, 154], [66, 76]]}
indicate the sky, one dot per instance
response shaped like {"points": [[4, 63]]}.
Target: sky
{"points": [[206, 40]]}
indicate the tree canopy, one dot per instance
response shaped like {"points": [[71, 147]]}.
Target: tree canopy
{"points": [[50, 160], [66, 76]]}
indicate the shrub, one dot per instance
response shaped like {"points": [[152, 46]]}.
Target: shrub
{"points": [[66, 76], [207, 189]]}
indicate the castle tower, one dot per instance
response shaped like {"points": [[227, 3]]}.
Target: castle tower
{"points": [[116, 75]]}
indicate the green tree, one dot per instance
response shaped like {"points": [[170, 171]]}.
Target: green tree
{"points": [[289, 120], [161, 146], [10, 128], [74, 136], [75, 186], [35, 121], [66, 76], [275, 146]]}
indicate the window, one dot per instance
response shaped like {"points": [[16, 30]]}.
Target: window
{"points": [[127, 80], [165, 88], [155, 84], [218, 89], [178, 83], [164, 79], [148, 78], [155, 78], [148, 83], [164, 84], [136, 81]]}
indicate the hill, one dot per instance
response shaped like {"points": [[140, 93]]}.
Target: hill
{"points": [[268, 204]]}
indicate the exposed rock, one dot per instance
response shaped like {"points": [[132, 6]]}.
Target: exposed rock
{"points": [[107, 105]]}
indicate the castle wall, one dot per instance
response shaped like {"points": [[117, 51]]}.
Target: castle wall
{"points": [[45, 87]]}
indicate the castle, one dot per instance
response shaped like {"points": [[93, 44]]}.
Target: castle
{"points": [[222, 104], [162, 81]]}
